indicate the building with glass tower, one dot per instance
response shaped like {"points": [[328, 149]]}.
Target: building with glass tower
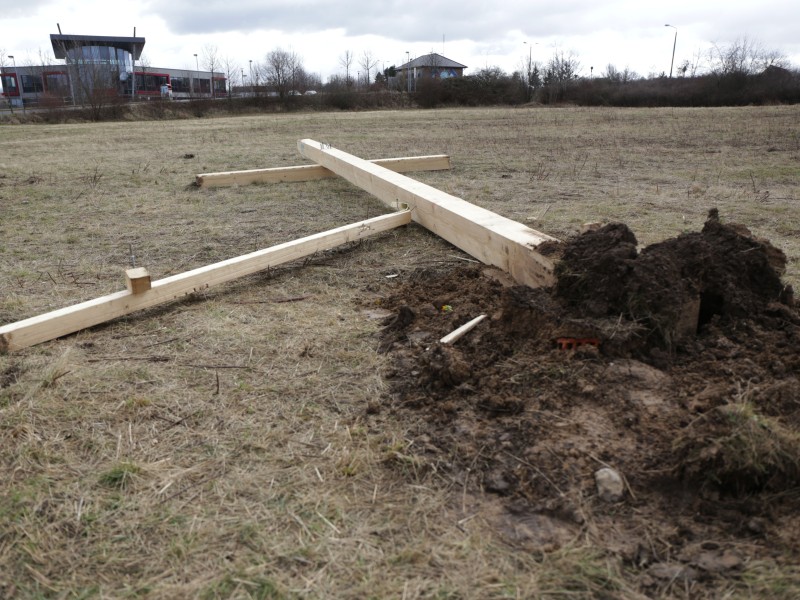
{"points": [[102, 65]]}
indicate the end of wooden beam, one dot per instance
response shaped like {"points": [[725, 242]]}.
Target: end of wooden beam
{"points": [[137, 280]]}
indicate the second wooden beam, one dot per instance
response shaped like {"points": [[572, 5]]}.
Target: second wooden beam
{"points": [[434, 162]]}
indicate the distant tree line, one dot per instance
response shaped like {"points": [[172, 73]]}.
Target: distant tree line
{"points": [[740, 73]]}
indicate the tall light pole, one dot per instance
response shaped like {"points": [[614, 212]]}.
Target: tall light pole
{"points": [[674, 43], [408, 79], [196, 62]]}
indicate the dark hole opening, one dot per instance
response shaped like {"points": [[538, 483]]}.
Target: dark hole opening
{"points": [[711, 304]]}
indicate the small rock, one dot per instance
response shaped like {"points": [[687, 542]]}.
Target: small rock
{"points": [[757, 525], [496, 482], [418, 337], [610, 486], [671, 572], [718, 562]]}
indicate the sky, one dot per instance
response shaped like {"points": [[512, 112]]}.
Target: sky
{"points": [[476, 33]]}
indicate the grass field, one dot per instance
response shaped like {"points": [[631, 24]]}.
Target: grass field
{"points": [[219, 446]]}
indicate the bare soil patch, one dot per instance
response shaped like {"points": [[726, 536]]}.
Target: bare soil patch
{"points": [[681, 374]]}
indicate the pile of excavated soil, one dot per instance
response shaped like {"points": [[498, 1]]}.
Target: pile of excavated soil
{"points": [[676, 366]]}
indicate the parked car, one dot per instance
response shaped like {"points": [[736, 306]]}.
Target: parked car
{"points": [[311, 92]]}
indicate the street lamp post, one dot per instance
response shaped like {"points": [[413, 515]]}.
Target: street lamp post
{"points": [[674, 43], [408, 79], [196, 74]]}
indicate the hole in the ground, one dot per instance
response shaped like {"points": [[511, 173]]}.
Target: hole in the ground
{"points": [[711, 304]]}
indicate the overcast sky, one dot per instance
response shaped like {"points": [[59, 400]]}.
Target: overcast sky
{"points": [[476, 33]]}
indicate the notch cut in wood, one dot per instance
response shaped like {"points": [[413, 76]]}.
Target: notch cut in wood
{"points": [[487, 236], [434, 162], [92, 312]]}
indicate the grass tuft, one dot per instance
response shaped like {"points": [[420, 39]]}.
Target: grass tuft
{"points": [[120, 476], [737, 447]]}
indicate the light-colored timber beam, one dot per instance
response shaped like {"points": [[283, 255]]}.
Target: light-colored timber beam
{"points": [[489, 237], [92, 312], [435, 162]]}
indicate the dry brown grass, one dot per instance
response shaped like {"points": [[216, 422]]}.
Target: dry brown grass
{"points": [[219, 447]]}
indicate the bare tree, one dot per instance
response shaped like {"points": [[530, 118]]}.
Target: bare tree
{"points": [[212, 62], [531, 75], [614, 75], [562, 68], [346, 60], [231, 69], [560, 72], [743, 56], [690, 67], [281, 69], [367, 62]]}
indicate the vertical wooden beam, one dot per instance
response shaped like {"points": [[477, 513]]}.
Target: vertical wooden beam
{"points": [[489, 237]]}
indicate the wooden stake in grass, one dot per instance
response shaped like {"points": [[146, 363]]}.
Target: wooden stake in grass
{"points": [[80, 316], [489, 237]]}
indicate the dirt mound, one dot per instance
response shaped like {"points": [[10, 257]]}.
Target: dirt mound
{"points": [[676, 366], [676, 287]]}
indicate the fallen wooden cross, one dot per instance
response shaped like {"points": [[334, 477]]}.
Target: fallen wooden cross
{"points": [[435, 162], [489, 237], [143, 294]]}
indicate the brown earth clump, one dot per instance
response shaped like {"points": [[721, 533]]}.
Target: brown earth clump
{"points": [[676, 365]]}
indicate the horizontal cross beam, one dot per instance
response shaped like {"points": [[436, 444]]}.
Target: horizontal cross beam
{"points": [[435, 162]]}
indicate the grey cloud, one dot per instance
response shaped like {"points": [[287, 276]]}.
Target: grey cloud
{"points": [[14, 10], [410, 20]]}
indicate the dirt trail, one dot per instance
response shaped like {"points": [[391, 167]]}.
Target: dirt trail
{"points": [[676, 366]]}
